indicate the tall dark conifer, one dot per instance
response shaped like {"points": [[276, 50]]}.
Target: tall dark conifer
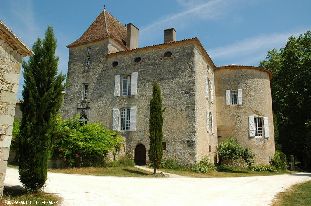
{"points": [[155, 128], [42, 97]]}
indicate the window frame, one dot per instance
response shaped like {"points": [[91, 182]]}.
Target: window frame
{"points": [[85, 91], [233, 97], [125, 119], [259, 129], [126, 79]]}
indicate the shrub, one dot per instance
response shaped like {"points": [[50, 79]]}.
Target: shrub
{"points": [[171, 164], [279, 161], [231, 150], [263, 168], [204, 166], [124, 161], [81, 145]]}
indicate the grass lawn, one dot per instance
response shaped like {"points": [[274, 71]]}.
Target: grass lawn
{"points": [[298, 195], [125, 171], [17, 196], [190, 173]]}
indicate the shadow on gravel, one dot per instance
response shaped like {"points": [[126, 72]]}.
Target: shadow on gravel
{"points": [[14, 191], [135, 172], [302, 174]]}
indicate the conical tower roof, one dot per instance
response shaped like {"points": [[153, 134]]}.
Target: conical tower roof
{"points": [[104, 26]]}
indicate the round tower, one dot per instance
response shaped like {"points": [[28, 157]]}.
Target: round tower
{"points": [[244, 109]]}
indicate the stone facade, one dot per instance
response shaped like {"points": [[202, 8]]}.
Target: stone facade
{"points": [[188, 80], [11, 53], [233, 120]]}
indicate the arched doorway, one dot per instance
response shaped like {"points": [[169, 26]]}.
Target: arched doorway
{"points": [[140, 155]]}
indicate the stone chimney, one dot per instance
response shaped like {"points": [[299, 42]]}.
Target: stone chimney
{"points": [[169, 35], [132, 36]]}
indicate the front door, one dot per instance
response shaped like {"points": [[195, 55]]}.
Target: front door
{"points": [[140, 155]]}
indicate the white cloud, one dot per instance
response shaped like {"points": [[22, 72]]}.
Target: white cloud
{"points": [[23, 20], [207, 10], [251, 50], [200, 10]]}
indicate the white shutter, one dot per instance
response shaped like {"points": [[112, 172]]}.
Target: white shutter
{"points": [[266, 126], [228, 98], [117, 85], [252, 126], [207, 88], [239, 96], [134, 78], [212, 90], [116, 119], [133, 115], [207, 121]]}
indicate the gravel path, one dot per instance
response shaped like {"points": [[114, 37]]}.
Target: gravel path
{"points": [[127, 191]]}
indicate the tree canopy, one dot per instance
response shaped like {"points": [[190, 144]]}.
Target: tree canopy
{"points": [[291, 92], [155, 128], [42, 98]]}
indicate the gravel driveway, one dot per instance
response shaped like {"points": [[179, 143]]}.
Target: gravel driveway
{"points": [[127, 191]]}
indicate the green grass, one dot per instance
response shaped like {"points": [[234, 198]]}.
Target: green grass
{"points": [[298, 195], [125, 171], [240, 173], [18, 196]]}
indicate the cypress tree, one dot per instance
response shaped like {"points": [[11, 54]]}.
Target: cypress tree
{"points": [[42, 98], [155, 128]]}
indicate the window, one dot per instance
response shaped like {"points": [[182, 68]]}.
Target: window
{"points": [[125, 119], [208, 88], [164, 145], [126, 85], [83, 117], [210, 118], [88, 57], [115, 63], [258, 126], [137, 59], [209, 148], [234, 97], [168, 54], [85, 91]]}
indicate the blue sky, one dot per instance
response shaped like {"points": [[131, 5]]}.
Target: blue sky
{"points": [[232, 31]]}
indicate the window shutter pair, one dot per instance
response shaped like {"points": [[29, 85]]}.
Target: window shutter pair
{"points": [[228, 97], [252, 126], [117, 84], [116, 119]]}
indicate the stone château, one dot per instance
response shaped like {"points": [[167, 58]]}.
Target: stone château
{"points": [[110, 81]]}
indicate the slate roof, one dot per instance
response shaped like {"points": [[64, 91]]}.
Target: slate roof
{"points": [[104, 26]]}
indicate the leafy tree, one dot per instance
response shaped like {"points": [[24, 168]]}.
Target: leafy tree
{"points": [[80, 145], [42, 100], [291, 92], [155, 128]]}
